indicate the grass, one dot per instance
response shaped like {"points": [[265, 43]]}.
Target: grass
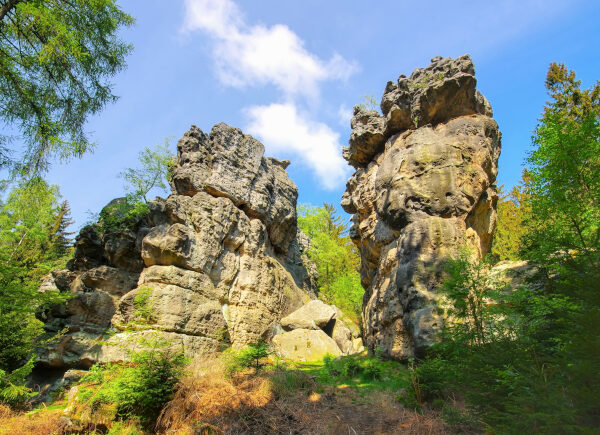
{"points": [[360, 373], [44, 420], [353, 394], [335, 396]]}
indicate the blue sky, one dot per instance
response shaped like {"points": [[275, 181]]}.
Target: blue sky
{"points": [[289, 72]]}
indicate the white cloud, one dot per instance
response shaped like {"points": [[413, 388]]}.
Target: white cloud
{"points": [[257, 55], [344, 114], [285, 131], [219, 17]]}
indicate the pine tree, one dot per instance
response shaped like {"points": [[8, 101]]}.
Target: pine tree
{"points": [[61, 239]]}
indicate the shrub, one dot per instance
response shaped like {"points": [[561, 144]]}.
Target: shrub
{"points": [[13, 391], [136, 390], [122, 213], [247, 357], [373, 370], [144, 306]]}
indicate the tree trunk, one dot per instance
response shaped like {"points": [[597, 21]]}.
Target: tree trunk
{"points": [[7, 7]]}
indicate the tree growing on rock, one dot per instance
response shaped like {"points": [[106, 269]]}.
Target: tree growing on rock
{"points": [[155, 172]]}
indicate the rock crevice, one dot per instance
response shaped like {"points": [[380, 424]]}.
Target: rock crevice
{"points": [[220, 261], [423, 190]]}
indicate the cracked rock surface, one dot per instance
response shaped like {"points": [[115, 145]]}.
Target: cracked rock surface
{"points": [[423, 189], [219, 261]]}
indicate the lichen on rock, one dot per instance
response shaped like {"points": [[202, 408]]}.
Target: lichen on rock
{"points": [[221, 260], [423, 189]]}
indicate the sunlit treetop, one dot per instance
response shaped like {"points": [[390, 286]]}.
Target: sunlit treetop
{"points": [[56, 61]]}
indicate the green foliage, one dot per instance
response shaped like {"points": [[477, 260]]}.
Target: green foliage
{"points": [[513, 212], [31, 219], [498, 352], [564, 232], [368, 103], [13, 391], [156, 165], [336, 257], [250, 356], [144, 306], [155, 172], [365, 368], [135, 390], [121, 214], [57, 59]]}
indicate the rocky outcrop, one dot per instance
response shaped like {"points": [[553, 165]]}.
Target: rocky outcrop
{"points": [[305, 345], [219, 261], [423, 189], [315, 330]]}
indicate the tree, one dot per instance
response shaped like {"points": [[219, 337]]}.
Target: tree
{"points": [[154, 173], [336, 258], [28, 222], [565, 174], [56, 58], [564, 227], [60, 238], [513, 212]]}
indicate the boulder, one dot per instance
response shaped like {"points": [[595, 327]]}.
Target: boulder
{"points": [[306, 345], [342, 337], [314, 315]]}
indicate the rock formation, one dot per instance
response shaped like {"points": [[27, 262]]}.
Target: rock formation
{"points": [[423, 189], [315, 330], [220, 260]]}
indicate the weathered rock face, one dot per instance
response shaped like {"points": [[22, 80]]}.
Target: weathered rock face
{"points": [[317, 329], [423, 189], [220, 260]]}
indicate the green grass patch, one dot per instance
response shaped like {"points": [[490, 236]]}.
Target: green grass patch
{"points": [[362, 373]]}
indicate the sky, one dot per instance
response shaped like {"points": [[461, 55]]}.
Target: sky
{"points": [[289, 73]]}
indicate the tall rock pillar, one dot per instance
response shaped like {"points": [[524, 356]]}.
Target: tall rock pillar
{"points": [[423, 189]]}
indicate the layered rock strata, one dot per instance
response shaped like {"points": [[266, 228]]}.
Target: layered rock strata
{"points": [[423, 189], [219, 261]]}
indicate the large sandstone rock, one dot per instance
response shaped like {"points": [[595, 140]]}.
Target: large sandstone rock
{"points": [[318, 316], [314, 315], [220, 261], [423, 190], [305, 345], [230, 164]]}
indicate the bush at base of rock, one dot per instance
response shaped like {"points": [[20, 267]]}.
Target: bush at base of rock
{"points": [[247, 357], [137, 390]]}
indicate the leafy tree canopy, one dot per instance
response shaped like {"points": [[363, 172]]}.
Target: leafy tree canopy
{"points": [[33, 226], [336, 257], [56, 58], [155, 172]]}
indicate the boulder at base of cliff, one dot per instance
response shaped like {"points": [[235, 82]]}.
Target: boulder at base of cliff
{"points": [[313, 315], [329, 319], [306, 345]]}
